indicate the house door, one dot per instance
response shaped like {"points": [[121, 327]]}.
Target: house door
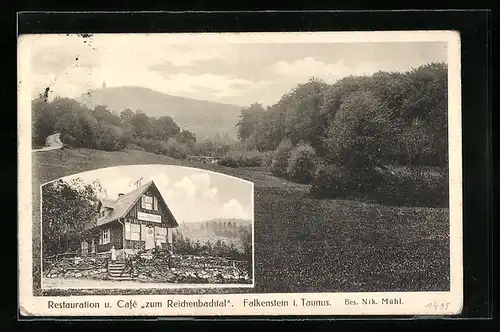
{"points": [[150, 237]]}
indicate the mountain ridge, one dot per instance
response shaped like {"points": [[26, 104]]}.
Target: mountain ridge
{"points": [[205, 118]]}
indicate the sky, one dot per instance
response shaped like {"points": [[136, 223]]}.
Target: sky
{"points": [[191, 194], [234, 72]]}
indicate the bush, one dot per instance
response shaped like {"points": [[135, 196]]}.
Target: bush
{"points": [[280, 158], [171, 148], [228, 161], [108, 137], [175, 149], [133, 146], [267, 158], [151, 145], [301, 164], [243, 158], [404, 189], [400, 189], [251, 158], [331, 181]]}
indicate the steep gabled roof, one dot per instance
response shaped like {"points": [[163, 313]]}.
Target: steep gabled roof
{"points": [[125, 203], [107, 203]]}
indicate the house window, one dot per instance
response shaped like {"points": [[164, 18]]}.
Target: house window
{"points": [[105, 236], [161, 234], [132, 231], [155, 205], [147, 202]]}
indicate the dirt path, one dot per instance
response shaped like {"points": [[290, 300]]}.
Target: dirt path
{"points": [[63, 283], [52, 142]]}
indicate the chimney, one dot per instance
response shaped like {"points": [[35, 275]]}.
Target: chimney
{"points": [[120, 195]]}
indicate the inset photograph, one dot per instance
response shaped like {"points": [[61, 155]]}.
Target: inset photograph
{"points": [[147, 226]]}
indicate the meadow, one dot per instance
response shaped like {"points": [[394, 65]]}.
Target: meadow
{"points": [[302, 244]]}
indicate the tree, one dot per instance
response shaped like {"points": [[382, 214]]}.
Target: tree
{"points": [[163, 128], [303, 121], [186, 137], [140, 123], [357, 135], [126, 115], [280, 158], [270, 131], [43, 120], [101, 113], [302, 164], [249, 118], [417, 143], [68, 210], [108, 137], [427, 100]]}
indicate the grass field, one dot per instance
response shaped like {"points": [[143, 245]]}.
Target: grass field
{"points": [[304, 244]]}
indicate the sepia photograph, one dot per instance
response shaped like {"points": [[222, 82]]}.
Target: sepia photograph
{"points": [[298, 167], [146, 226]]}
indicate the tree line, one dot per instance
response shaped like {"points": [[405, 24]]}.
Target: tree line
{"points": [[185, 246], [103, 129], [341, 137], [225, 228], [397, 117]]}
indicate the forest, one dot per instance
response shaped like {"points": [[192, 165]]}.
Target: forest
{"points": [[103, 129], [382, 137]]}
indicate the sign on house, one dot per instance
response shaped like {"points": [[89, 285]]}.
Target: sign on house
{"points": [[149, 217]]}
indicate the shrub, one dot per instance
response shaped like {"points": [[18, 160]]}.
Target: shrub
{"points": [[242, 158], [175, 149], [228, 161], [151, 145], [401, 189], [171, 148], [404, 189], [331, 181], [250, 158], [108, 137], [267, 158], [301, 164], [280, 158], [133, 146]]}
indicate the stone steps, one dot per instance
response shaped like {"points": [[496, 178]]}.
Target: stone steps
{"points": [[116, 271]]}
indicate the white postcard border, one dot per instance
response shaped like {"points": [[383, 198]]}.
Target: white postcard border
{"points": [[413, 303]]}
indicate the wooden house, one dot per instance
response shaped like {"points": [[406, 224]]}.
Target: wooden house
{"points": [[140, 219]]}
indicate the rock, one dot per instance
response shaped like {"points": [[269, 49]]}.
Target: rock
{"points": [[78, 275]]}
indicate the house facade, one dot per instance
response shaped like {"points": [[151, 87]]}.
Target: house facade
{"points": [[140, 219]]}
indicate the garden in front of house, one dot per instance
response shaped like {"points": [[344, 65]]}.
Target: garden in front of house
{"points": [[183, 270]]}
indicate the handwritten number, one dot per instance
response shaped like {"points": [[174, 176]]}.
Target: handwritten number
{"points": [[438, 305]]}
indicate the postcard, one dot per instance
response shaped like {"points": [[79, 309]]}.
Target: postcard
{"points": [[240, 174]]}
